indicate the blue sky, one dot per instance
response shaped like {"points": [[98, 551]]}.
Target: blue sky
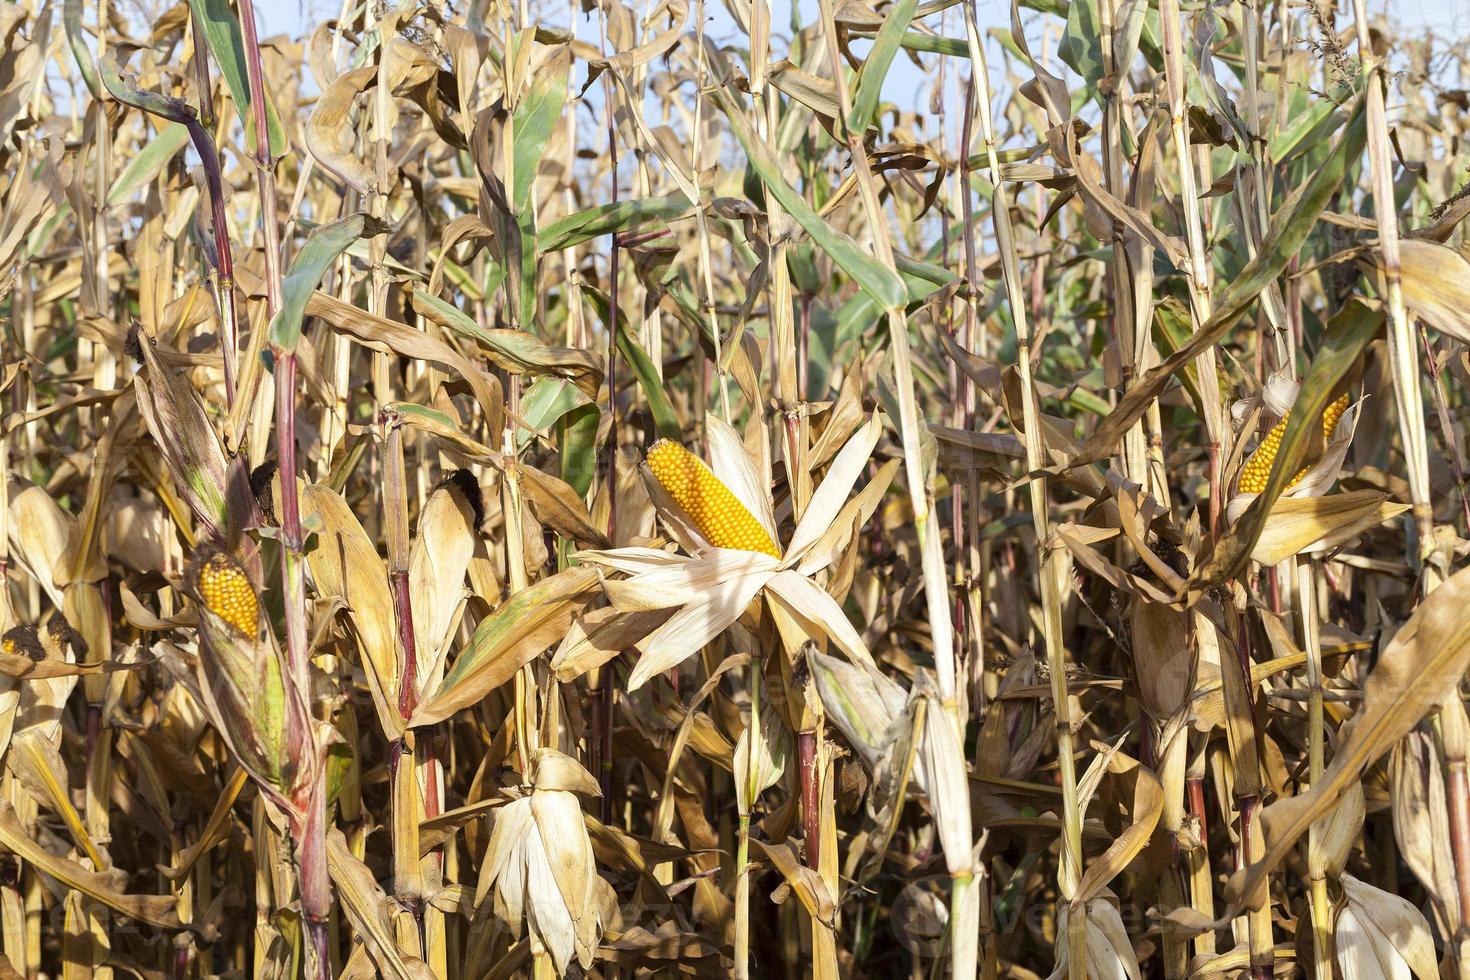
{"points": [[906, 84]]}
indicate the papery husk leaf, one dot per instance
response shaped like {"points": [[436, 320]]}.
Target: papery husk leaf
{"points": [[757, 771], [176, 418], [855, 513], [558, 506], [1163, 658], [948, 780], [809, 602], [1109, 953], [805, 883], [861, 703], [552, 771], [345, 565], [677, 583], [1435, 280], [552, 926], [437, 563], [1147, 805], [568, 849], [831, 495], [1421, 822], [681, 526], [1336, 834], [512, 826], [700, 621], [1383, 931], [262, 718], [599, 636], [40, 534]]}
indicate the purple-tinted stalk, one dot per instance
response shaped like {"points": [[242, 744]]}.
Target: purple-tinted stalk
{"points": [[311, 829], [311, 849], [265, 171], [602, 732], [201, 133], [806, 750]]}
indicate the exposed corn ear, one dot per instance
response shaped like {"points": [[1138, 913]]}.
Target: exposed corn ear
{"points": [[23, 641], [225, 590], [241, 675], [718, 514], [1257, 469]]}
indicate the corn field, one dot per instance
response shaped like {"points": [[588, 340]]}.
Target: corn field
{"points": [[863, 488]]}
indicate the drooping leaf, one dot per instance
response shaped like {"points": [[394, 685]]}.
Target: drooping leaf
{"points": [[1417, 670], [322, 247], [607, 219], [527, 623], [880, 58], [643, 369], [875, 279]]}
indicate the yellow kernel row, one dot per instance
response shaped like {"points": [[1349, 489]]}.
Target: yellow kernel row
{"points": [[225, 590], [1257, 469], [718, 514]]}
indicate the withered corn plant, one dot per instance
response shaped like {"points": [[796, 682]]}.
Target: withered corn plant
{"points": [[846, 489]]}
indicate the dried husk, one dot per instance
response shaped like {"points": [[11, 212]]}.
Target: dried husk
{"points": [[1380, 936]]}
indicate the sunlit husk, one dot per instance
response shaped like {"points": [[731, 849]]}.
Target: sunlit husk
{"points": [[760, 767], [1380, 936], [1109, 952], [540, 869], [176, 418], [263, 718], [440, 558]]}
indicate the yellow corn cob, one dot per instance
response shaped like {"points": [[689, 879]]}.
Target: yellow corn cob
{"points": [[1257, 469], [716, 512], [225, 590]]}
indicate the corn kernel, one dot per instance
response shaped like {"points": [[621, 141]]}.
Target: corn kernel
{"points": [[715, 510], [1257, 469], [23, 641], [225, 590]]}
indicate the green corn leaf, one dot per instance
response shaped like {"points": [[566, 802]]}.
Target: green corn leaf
{"points": [[880, 59], [226, 42], [322, 247], [875, 278]]}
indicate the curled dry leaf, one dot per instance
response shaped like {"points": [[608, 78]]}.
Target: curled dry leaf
{"points": [[528, 623], [1416, 671], [1313, 525]]}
